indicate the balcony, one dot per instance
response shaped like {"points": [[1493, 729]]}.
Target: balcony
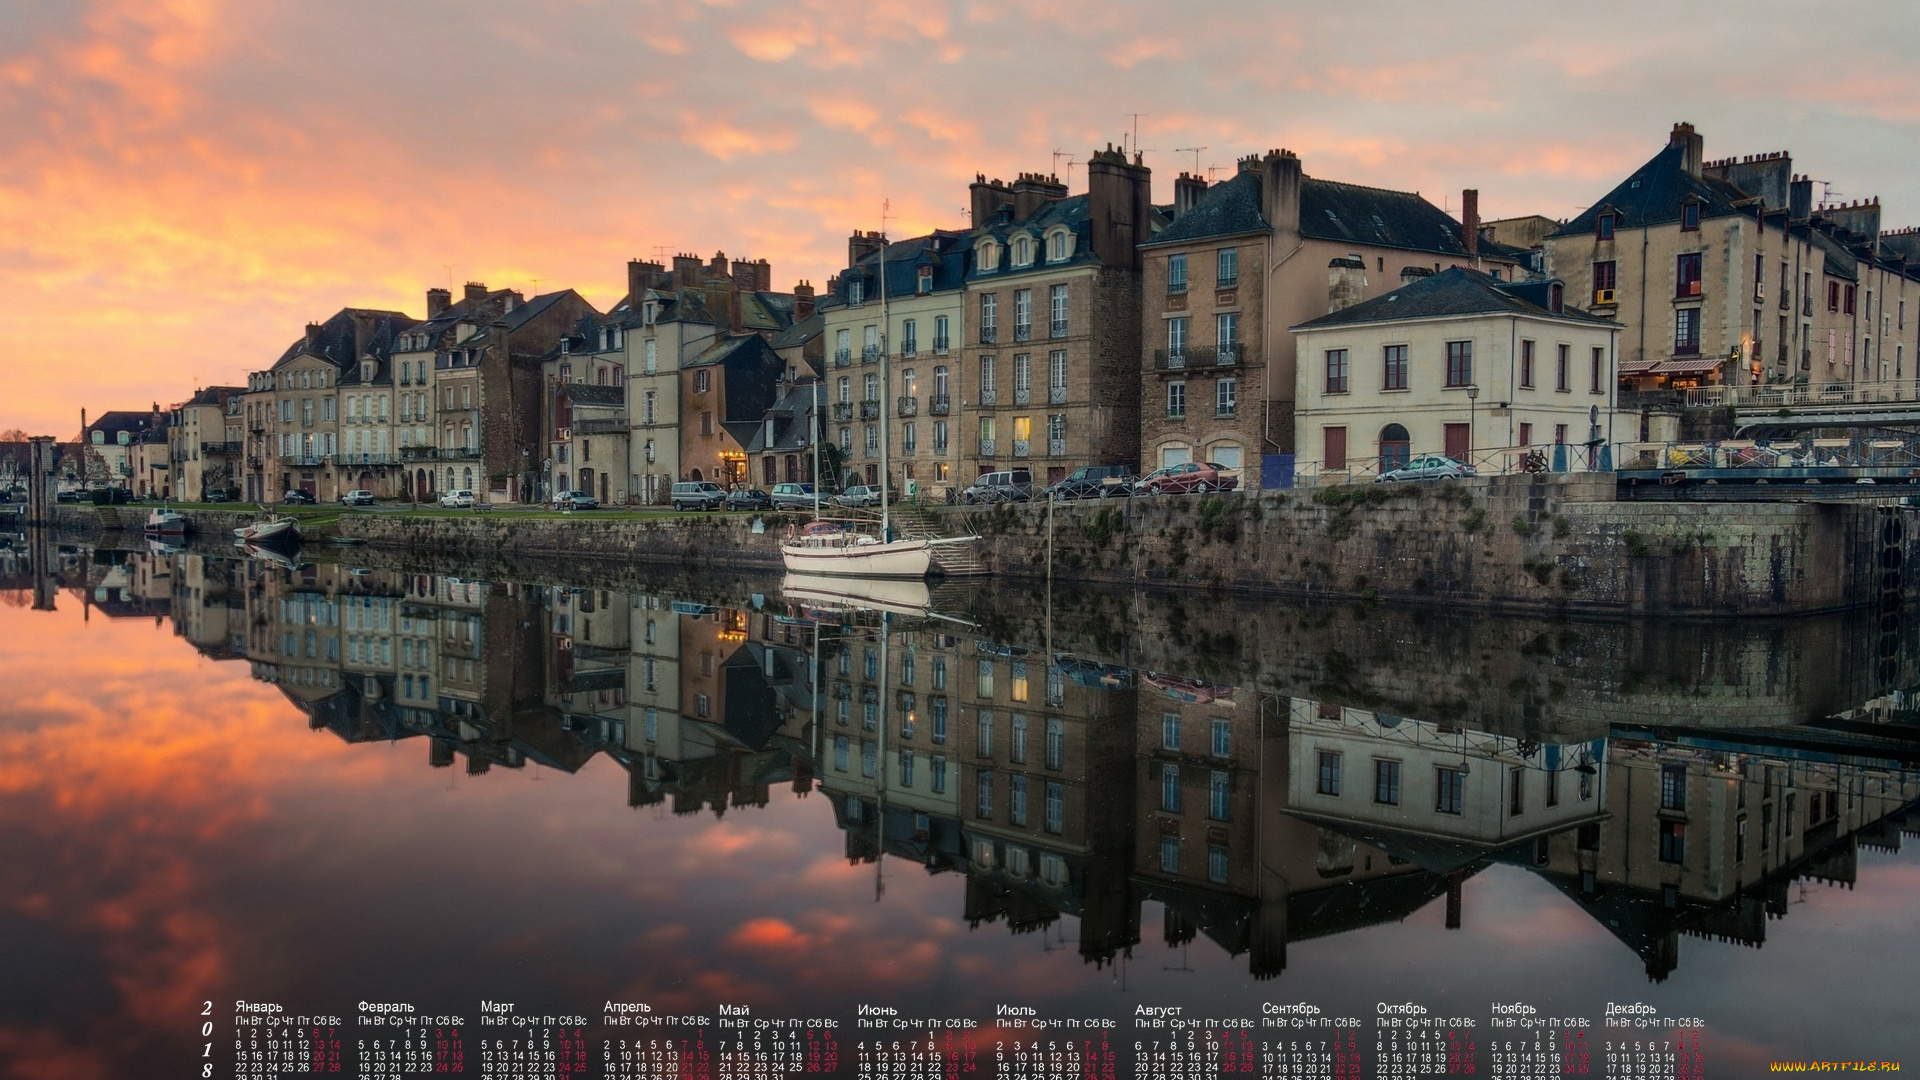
{"points": [[989, 335], [939, 405], [220, 447], [1169, 359], [987, 448], [1176, 287], [419, 453], [870, 354], [843, 410], [1176, 412], [907, 405], [1806, 306], [1057, 328], [940, 346], [1023, 331], [873, 448], [1056, 448], [909, 349], [253, 461], [612, 425], [1225, 283], [1056, 395], [939, 449], [989, 396], [1022, 448], [907, 449], [842, 357], [1229, 355], [1022, 395], [1199, 356], [365, 459], [870, 410]]}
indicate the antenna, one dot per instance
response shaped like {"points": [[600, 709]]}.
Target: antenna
{"points": [[449, 269], [1057, 155], [1136, 129], [1195, 151]]}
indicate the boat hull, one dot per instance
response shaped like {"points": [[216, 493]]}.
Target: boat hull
{"points": [[897, 596], [266, 532], [898, 559]]}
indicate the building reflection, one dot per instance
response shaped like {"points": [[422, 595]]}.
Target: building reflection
{"points": [[1060, 785]]}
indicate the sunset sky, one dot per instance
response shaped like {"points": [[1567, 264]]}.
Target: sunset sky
{"points": [[185, 183]]}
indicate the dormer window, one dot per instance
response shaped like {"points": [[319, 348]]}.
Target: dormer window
{"points": [[1690, 216], [856, 291], [1556, 302], [925, 283], [1022, 251], [987, 257], [1603, 227], [1059, 245], [648, 311]]}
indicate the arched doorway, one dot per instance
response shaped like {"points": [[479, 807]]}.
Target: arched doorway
{"points": [[695, 475], [466, 478], [1395, 447]]}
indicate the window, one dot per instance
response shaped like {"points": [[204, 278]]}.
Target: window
{"points": [[1222, 738], [1449, 791], [1597, 371], [1459, 363], [1057, 311], [1057, 376], [1176, 400], [1604, 282], [1560, 363], [909, 337], [1170, 788], [940, 673], [1169, 854], [1170, 731], [1176, 273], [1218, 789], [840, 753], [1217, 863], [1226, 396], [1673, 787], [1686, 331], [1394, 376], [1017, 744], [1603, 226], [1226, 333], [1690, 216], [856, 291], [1395, 446], [1022, 378], [1228, 268], [1057, 247], [1334, 452], [1847, 305], [1516, 792], [1386, 782], [906, 768], [940, 339], [1526, 364], [1022, 251], [1336, 371], [986, 679], [1329, 773], [1673, 842], [1022, 314], [1687, 275], [1055, 809], [983, 795], [1017, 799], [1056, 744], [1177, 337], [939, 776], [989, 377], [938, 707], [983, 734], [1526, 434], [989, 314]]}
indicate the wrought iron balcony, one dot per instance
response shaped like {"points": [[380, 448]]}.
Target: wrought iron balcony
{"points": [[1057, 328], [419, 453], [987, 449], [1022, 395], [940, 346], [870, 410], [907, 405], [939, 446], [989, 396], [870, 354], [220, 447], [909, 348], [842, 357], [1056, 448], [939, 405], [989, 335], [1021, 448], [873, 448], [1169, 359], [1056, 395], [843, 410], [907, 449], [1176, 287], [1023, 331]]}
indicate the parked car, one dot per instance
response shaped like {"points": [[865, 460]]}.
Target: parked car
{"points": [[1186, 477], [748, 499], [215, 495], [1096, 482], [357, 497], [575, 500], [461, 499], [1427, 467], [1009, 485], [698, 495], [792, 496], [71, 495], [858, 495], [297, 497]]}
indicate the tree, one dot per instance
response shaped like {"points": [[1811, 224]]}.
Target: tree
{"points": [[14, 435]]}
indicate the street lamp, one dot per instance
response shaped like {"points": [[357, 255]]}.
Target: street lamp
{"points": [[1473, 396]]}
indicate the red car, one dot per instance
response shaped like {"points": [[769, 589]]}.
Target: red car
{"points": [[1192, 476]]}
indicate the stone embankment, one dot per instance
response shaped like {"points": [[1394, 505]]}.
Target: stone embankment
{"points": [[1517, 543]]}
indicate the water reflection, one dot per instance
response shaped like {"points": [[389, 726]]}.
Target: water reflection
{"points": [[1250, 777]]}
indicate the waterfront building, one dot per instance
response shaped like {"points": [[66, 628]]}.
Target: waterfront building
{"points": [[205, 442], [107, 446], [417, 434], [726, 391], [1052, 330], [782, 450], [1246, 259], [1731, 272], [292, 407], [1455, 363], [585, 425]]}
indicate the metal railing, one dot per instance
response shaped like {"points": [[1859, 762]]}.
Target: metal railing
{"points": [[989, 396], [843, 410], [909, 349], [1199, 356], [1057, 328], [907, 405], [1022, 448], [1056, 395], [1787, 396], [1176, 288], [842, 357], [987, 448], [1056, 448], [940, 346], [220, 447], [939, 405], [1485, 461], [1022, 331], [870, 354], [1023, 395], [870, 410], [989, 335], [1809, 453]]}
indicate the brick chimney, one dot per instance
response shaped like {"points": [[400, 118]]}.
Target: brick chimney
{"points": [[802, 300], [762, 275], [1800, 198], [988, 198], [438, 300], [1187, 190], [1119, 206], [742, 273], [1031, 191], [717, 266], [475, 292], [1470, 221], [1281, 181], [686, 271], [313, 336], [862, 244], [1691, 148], [1346, 282]]}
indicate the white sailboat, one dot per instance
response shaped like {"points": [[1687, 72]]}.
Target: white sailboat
{"points": [[840, 549]]}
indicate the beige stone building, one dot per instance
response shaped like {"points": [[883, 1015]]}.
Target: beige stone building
{"points": [[207, 442], [1244, 260], [292, 409], [1454, 363]]}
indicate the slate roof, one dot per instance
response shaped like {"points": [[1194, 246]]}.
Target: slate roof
{"points": [[752, 372], [336, 339], [1073, 212], [790, 415], [1228, 208], [110, 424], [1654, 194], [212, 395], [1458, 291], [800, 332], [946, 251], [593, 395]]}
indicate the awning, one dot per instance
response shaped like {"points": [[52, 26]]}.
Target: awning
{"points": [[1636, 367], [1689, 367]]}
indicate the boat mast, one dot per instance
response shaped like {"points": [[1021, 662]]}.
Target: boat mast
{"points": [[814, 429], [886, 363]]}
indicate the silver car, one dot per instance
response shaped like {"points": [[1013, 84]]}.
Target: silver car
{"points": [[1428, 467]]}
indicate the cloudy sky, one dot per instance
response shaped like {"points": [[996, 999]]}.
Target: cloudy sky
{"points": [[185, 183]]}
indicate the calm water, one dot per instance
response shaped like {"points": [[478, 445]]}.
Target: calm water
{"points": [[322, 785]]}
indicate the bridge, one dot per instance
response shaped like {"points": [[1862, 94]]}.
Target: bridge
{"points": [[1762, 410]]}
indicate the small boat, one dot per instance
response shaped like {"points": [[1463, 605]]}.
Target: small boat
{"points": [[271, 529], [345, 541], [895, 596], [162, 521], [827, 547], [267, 555]]}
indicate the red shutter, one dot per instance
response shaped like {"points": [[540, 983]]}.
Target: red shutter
{"points": [[1459, 443], [1336, 453]]}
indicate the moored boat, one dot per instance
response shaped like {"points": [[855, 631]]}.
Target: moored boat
{"points": [[162, 521], [826, 547], [271, 529], [894, 596]]}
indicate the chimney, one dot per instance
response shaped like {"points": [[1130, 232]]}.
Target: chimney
{"points": [[1800, 198], [802, 300], [862, 244], [1280, 184], [742, 273], [1031, 191], [1691, 147], [1119, 206], [686, 271], [1187, 190], [1411, 274], [988, 198], [717, 266], [1346, 282], [313, 336], [636, 280], [438, 300], [1470, 222], [762, 276], [475, 292]]}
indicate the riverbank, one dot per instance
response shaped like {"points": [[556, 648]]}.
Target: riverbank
{"points": [[1523, 543]]}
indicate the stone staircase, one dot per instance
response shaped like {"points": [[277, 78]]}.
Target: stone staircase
{"points": [[956, 560]]}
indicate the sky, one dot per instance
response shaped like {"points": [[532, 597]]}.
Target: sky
{"points": [[184, 184]]}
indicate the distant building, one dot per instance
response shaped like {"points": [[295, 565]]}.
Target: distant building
{"points": [[292, 408], [206, 442]]}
